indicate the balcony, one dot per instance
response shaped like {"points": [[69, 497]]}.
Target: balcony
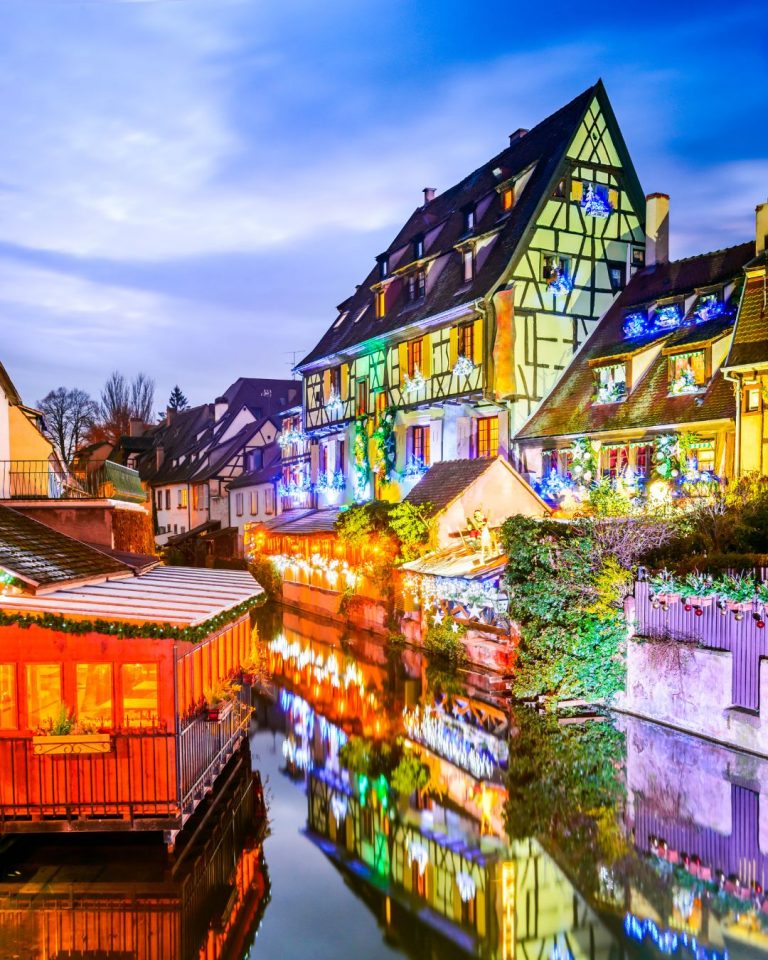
{"points": [[44, 480]]}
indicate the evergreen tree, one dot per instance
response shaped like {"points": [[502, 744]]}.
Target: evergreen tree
{"points": [[177, 400]]}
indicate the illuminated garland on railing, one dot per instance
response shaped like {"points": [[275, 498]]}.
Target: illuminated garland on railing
{"points": [[331, 482], [477, 596], [334, 405], [463, 367], [466, 885], [288, 437], [415, 383], [323, 669], [668, 941], [414, 469], [129, 631], [473, 750], [332, 569]]}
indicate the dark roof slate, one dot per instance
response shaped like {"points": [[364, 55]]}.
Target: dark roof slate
{"points": [[42, 557], [541, 151], [750, 339], [445, 481], [569, 410]]}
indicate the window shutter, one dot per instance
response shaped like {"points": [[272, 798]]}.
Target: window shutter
{"points": [[577, 190], [426, 355], [477, 337], [453, 354], [402, 355], [326, 385], [613, 198], [344, 381]]}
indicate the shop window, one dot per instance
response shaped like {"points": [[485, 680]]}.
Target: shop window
{"points": [[415, 356], [420, 436], [8, 709], [752, 399], [488, 437], [140, 704], [643, 460], [611, 383], [44, 700], [93, 693], [687, 372], [616, 462]]}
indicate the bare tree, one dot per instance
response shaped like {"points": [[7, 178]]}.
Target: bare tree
{"points": [[121, 402], [68, 415]]}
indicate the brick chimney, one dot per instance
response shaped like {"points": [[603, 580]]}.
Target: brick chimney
{"points": [[517, 135], [429, 194], [135, 427], [656, 229], [761, 228]]}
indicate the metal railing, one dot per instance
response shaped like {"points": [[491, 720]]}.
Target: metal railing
{"points": [[205, 748], [43, 480]]}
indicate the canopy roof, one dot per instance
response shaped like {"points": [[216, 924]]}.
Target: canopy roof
{"points": [[181, 596]]}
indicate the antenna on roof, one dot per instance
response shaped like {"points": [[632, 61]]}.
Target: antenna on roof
{"points": [[294, 355]]}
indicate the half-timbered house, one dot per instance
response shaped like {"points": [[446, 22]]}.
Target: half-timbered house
{"points": [[469, 316]]}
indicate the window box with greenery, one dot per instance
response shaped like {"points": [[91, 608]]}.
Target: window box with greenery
{"points": [[219, 702], [687, 373], [611, 383], [665, 589], [65, 736]]}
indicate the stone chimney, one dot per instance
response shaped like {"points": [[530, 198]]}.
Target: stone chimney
{"points": [[220, 408], [761, 228], [135, 427], [429, 194], [159, 456], [656, 229], [517, 135]]}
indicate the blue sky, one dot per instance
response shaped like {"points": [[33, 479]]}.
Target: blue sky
{"points": [[189, 187]]}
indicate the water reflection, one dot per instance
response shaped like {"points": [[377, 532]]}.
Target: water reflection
{"points": [[81, 898], [537, 838]]}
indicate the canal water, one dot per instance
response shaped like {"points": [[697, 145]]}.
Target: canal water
{"points": [[415, 814]]}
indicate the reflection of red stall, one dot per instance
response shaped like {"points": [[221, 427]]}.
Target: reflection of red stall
{"points": [[103, 729]]}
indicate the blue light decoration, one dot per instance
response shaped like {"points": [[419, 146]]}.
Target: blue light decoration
{"points": [[559, 283], [553, 487], [669, 317], [636, 324], [710, 308], [295, 488], [668, 942], [415, 468], [595, 202], [331, 482]]}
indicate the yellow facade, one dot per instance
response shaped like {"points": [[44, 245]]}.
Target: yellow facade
{"points": [[27, 442]]}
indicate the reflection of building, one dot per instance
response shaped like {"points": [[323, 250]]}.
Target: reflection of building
{"points": [[132, 902]]}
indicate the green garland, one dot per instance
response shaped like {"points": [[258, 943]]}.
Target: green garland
{"points": [[386, 451], [130, 631], [666, 456], [361, 457]]}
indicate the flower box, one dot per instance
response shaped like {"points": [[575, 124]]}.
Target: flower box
{"points": [[72, 744], [667, 597], [218, 713]]}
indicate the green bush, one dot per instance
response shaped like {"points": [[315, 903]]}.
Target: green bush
{"points": [[413, 526], [410, 775], [445, 644], [266, 574]]}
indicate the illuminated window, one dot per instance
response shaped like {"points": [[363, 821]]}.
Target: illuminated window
{"points": [[139, 694], [418, 248], [381, 304], [507, 198], [44, 701], [383, 261], [467, 340], [611, 383], [269, 502], [362, 397], [93, 688], [414, 356], [254, 502], [687, 372], [468, 264], [616, 462], [469, 219], [183, 498], [488, 437], [8, 718], [705, 456], [752, 399], [616, 276], [381, 406], [643, 460], [420, 444]]}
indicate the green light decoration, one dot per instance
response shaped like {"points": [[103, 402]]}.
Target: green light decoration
{"points": [[131, 631], [362, 787], [384, 438], [360, 483]]}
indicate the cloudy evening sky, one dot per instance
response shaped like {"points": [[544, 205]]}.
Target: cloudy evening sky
{"points": [[188, 187]]}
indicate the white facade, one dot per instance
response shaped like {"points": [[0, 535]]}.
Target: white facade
{"points": [[251, 504]]}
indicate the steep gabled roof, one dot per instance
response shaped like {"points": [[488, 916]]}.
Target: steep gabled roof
{"points": [[569, 409], [540, 153], [445, 481], [750, 338], [44, 558], [8, 388]]}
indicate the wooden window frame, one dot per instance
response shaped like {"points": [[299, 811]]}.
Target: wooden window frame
{"points": [[420, 442], [487, 447], [466, 340], [415, 347], [362, 399]]}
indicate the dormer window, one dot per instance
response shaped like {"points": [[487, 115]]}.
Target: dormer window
{"points": [[687, 372], [468, 263], [381, 303], [507, 198], [611, 383], [418, 247], [417, 285], [469, 219], [383, 262]]}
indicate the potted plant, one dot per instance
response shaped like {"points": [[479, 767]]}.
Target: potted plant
{"points": [[67, 736], [738, 590], [219, 701], [664, 588], [698, 592]]}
